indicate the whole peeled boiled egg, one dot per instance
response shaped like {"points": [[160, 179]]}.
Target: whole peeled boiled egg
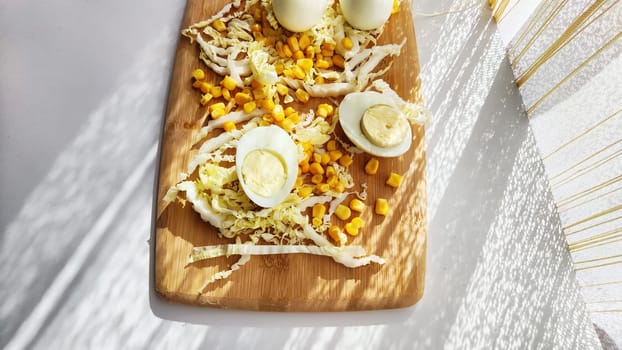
{"points": [[366, 14], [374, 124], [299, 15], [266, 163]]}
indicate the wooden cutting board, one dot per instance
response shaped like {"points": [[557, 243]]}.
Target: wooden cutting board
{"points": [[295, 282]]}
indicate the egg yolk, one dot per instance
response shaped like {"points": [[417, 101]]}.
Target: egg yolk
{"points": [[263, 172], [384, 126]]}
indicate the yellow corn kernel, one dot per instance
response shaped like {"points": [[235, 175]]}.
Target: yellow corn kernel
{"points": [[241, 98], [347, 43], [219, 25], [325, 159], [205, 87], [331, 145], [279, 48], [358, 222], [335, 155], [324, 110], [321, 64], [279, 68], [345, 160], [304, 41], [216, 91], [330, 171], [309, 52], [197, 84], [343, 212], [298, 72], [256, 27], [339, 61], [316, 168], [205, 99], [198, 74], [319, 210], [396, 7], [332, 181], [302, 95], [394, 180], [249, 107], [328, 46], [288, 125], [289, 111], [305, 191], [382, 206], [292, 41], [259, 94], [318, 55], [317, 157], [340, 187], [228, 126], [371, 168], [228, 83], [282, 89], [335, 233], [322, 187], [298, 182], [268, 105], [218, 105], [294, 117], [277, 113], [217, 113], [304, 166], [226, 94], [357, 205], [327, 53], [319, 80], [307, 146], [317, 222], [317, 179], [351, 229], [287, 51], [288, 73], [298, 55], [305, 63], [264, 123]]}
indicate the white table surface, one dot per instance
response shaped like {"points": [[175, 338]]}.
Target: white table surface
{"points": [[82, 95]]}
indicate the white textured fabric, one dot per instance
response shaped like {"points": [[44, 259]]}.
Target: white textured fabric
{"points": [[573, 93]]}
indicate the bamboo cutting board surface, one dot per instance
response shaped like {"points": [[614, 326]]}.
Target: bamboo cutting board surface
{"points": [[295, 282]]}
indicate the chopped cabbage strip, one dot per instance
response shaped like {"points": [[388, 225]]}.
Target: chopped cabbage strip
{"points": [[214, 251], [226, 273], [416, 113], [236, 117]]}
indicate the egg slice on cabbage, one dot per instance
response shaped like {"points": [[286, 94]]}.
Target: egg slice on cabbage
{"points": [[374, 124], [266, 162]]}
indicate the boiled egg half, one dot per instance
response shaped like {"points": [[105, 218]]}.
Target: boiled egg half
{"points": [[366, 14], [299, 15], [374, 124], [266, 162]]}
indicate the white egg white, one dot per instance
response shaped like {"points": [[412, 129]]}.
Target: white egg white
{"points": [[299, 15], [276, 140], [366, 14], [351, 112]]}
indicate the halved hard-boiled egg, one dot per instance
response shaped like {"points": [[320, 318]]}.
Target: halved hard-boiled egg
{"points": [[374, 124], [266, 162], [299, 15]]}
